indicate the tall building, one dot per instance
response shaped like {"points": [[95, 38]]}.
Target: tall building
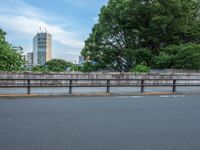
{"points": [[80, 59], [42, 45], [29, 60]]}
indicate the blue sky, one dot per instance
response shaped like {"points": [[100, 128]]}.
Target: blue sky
{"points": [[69, 22]]}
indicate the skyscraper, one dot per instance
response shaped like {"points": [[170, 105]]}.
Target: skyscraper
{"points": [[80, 59], [42, 46], [29, 60]]}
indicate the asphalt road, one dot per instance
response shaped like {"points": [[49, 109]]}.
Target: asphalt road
{"points": [[100, 123]]}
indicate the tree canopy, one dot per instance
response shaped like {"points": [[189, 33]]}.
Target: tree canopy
{"points": [[11, 58], [54, 65], [58, 65], [131, 32], [184, 56]]}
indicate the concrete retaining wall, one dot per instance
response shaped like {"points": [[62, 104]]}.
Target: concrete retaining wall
{"points": [[97, 75]]}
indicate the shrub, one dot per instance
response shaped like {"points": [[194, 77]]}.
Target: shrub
{"points": [[140, 68]]}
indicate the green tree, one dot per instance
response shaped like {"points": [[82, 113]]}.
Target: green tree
{"points": [[88, 67], [58, 65], [75, 67], [11, 58], [39, 69], [54, 65], [184, 56], [127, 28]]}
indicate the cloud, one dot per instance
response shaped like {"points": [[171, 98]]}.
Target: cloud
{"points": [[23, 22], [29, 26]]}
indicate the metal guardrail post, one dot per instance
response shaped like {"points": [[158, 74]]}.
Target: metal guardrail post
{"points": [[27, 83], [142, 86], [28, 87], [70, 86], [108, 86], [174, 86]]}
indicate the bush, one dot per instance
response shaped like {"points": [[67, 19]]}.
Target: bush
{"points": [[88, 67], [140, 68], [39, 69]]}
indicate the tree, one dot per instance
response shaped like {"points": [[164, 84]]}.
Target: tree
{"points": [[88, 67], [127, 28], [58, 65], [54, 65], [39, 69], [184, 56], [11, 58]]}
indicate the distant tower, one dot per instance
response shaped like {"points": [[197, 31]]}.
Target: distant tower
{"points": [[29, 60], [80, 59], [42, 48]]}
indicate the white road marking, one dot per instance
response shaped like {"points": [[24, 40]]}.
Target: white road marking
{"points": [[173, 96], [164, 96], [130, 97]]}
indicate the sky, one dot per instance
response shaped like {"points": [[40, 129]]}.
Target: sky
{"points": [[69, 22]]}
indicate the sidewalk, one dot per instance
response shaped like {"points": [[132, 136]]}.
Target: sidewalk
{"points": [[91, 94]]}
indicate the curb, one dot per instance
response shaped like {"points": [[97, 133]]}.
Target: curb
{"points": [[90, 95]]}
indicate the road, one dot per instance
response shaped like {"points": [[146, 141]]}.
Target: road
{"points": [[100, 123]]}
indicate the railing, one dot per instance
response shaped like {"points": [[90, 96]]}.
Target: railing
{"points": [[142, 83]]}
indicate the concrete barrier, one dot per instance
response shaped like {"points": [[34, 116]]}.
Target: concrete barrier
{"points": [[150, 78]]}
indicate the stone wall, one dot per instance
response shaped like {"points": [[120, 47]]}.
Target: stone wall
{"points": [[161, 78], [96, 75]]}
